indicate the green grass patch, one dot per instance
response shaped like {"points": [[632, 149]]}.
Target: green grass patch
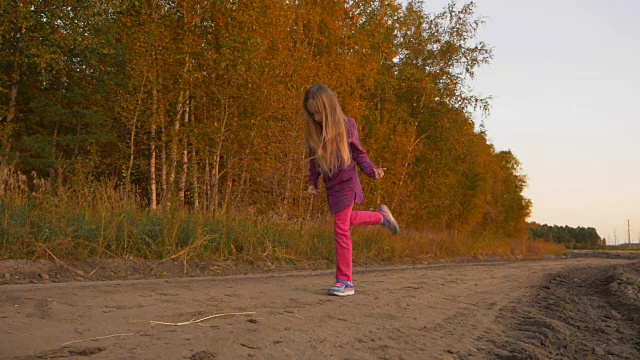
{"points": [[102, 220]]}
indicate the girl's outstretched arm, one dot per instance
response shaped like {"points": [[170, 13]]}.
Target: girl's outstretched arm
{"points": [[314, 173], [358, 153]]}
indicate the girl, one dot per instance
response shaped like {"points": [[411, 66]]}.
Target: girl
{"points": [[332, 145]]}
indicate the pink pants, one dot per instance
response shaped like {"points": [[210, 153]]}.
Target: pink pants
{"points": [[342, 221]]}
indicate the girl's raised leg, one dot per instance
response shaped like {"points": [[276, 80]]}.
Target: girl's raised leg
{"points": [[361, 218]]}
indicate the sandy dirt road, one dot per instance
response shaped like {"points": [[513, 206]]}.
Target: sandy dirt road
{"points": [[568, 308]]}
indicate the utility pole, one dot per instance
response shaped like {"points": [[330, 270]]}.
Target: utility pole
{"points": [[628, 232], [615, 238]]}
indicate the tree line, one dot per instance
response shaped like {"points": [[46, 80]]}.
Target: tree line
{"points": [[197, 104], [572, 238]]}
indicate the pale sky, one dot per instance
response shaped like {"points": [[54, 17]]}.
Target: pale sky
{"points": [[565, 79]]}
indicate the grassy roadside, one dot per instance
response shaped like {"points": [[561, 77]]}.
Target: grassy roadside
{"points": [[99, 220]]}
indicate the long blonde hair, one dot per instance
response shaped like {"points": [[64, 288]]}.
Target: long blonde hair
{"points": [[327, 143]]}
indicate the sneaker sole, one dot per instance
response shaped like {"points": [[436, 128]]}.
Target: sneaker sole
{"points": [[347, 293], [385, 208]]}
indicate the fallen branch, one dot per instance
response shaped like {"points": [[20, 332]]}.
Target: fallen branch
{"points": [[78, 272], [197, 321], [94, 270], [184, 253], [96, 338]]}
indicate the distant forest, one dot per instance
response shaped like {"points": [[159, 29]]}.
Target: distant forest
{"points": [[197, 104], [571, 238]]}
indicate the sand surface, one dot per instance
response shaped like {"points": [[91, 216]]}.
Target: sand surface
{"points": [[576, 308]]}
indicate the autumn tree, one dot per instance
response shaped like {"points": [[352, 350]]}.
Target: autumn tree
{"points": [[197, 105]]}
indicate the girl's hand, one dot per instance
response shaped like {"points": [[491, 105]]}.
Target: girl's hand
{"points": [[312, 190], [379, 172]]}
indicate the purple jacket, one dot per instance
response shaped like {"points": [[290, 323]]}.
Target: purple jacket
{"points": [[344, 186]]}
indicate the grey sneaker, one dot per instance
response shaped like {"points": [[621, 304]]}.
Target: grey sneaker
{"points": [[342, 288], [388, 221]]}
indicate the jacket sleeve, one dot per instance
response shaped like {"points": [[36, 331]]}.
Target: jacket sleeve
{"points": [[357, 152], [314, 173]]}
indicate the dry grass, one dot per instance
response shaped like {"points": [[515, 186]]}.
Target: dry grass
{"points": [[102, 220]]}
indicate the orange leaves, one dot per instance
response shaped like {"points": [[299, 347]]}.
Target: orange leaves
{"points": [[241, 67]]}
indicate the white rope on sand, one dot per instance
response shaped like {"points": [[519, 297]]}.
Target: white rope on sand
{"points": [[194, 321], [96, 338]]}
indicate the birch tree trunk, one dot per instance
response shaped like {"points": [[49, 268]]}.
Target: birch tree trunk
{"points": [[176, 135], [56, 127], [245, 177], [152, 143], [133, 134], [185, 158], [407, 166], [215, 177], [287, 188], [194, 165], [13, 93], [163, 155], [174, 146], [207, 182], [216, 163], [11, 110], [228, 186], [304, 169]]}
